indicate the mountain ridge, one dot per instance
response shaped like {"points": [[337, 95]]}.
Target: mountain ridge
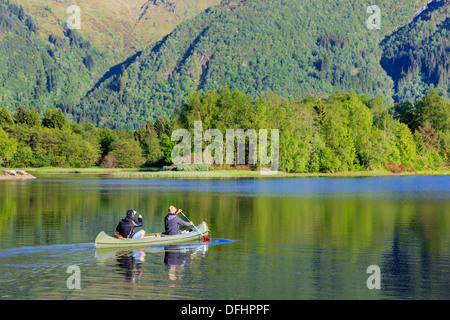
{"points": [[136, 23], [219, 47], [293, 48]]}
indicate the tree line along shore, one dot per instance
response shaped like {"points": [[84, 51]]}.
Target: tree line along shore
{"points": [[345, 133]]}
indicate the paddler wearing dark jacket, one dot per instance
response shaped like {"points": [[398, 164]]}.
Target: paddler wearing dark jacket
{"points": [[126, 226], [172, 221]]}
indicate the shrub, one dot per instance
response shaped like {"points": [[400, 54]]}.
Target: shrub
{"points": [[421, 163], [434, 160], [394, 168], [193, 167], [109, 161]]}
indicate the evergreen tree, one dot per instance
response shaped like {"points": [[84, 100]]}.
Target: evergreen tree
{"points": [[5, 117], [59, 119], [33, 118], [48, 120], [150, 144], [54, 120], [434, 109], [20, 116]]}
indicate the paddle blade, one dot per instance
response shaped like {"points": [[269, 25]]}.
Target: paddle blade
{"points": [[206, 239]]}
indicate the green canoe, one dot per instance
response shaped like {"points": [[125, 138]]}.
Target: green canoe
{"points": [[155, 239]]}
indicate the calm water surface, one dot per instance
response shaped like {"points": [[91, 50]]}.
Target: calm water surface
{"points": [[296, 238]]}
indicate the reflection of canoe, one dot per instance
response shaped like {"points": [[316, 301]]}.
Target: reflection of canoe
{"points": [[105, 255], [156, 239]]}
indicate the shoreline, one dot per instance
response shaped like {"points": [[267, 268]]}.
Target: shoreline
{"points": [[14, 178], [217, 173], [15, 175]]}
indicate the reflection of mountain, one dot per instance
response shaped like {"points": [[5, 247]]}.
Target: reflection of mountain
{"points": [[397, 270], [410, 266], [328, 239]]}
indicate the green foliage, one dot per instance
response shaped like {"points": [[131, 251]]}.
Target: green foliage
{"points": [[36, 72], [338, 136], [377, 149], [434, 109], [192, 167], [127, 152], [54, 142], [20, 116], [8, 147], [33, 118], [405, 144], [293, 48], [40, 146], [435, 161], [343, 132], [150, 143], [429, 120], [54, 119], [416, 55], [257, 47], [328, 162], [317, 145], [5, 117], [73, 151], [106, 137], [249, 66]]}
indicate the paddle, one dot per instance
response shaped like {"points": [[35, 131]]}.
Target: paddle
{"points": [[205, 238]]}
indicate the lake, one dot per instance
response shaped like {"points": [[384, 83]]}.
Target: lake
{"points": [[271, 239]]}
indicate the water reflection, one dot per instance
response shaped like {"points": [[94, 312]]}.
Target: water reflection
{"points": [[130, 264], [298, 238], [176, 257]]}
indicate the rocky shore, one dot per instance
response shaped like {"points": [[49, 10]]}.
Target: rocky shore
{"points": [[16, 175]]}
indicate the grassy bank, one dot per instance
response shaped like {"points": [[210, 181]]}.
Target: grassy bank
{"points": [[156, 172], [91, 170], [258, 174]]}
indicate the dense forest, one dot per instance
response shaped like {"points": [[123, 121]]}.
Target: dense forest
{"points": [[417, 56], [293, 48], [343, 132], [50, 73], [344, 96]]}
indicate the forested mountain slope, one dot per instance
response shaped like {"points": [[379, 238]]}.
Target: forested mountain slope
{"points": [[294, 48], [44, 64], [43, 73], [417, 56], [118, 27]]}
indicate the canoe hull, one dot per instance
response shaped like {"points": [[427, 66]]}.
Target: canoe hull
{"points": [[105, 241]]}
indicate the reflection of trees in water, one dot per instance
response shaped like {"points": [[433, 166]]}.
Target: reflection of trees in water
{"points": [[406, 249], [410, 268], [405, 268]]}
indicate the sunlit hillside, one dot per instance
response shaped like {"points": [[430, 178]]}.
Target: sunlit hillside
{"points": [[118, 26]]}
